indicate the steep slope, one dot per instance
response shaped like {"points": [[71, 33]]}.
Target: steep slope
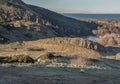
{"points": [[28, 22], [66, 26]]}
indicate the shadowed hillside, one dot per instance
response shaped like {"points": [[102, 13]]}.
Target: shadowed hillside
{"points": [[28, 22]]}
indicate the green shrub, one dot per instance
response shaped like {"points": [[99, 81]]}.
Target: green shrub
{"points": [[47, 56], [22, 59], [50, 56], [18, 58], [1, 59], [7, 60]]}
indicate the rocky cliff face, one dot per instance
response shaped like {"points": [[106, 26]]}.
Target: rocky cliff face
{"points": [[76, 42], [108, 32], [28, 22]]}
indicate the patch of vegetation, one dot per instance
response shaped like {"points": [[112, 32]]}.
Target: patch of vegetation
{"points": [[18, 59], [94, 60], [35, 49], [55, 58], [47, 56], [61, 59]]}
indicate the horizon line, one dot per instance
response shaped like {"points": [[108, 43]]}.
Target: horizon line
{"points": [[90, 13]]}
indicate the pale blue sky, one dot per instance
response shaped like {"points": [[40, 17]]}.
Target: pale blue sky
{"points": [[79, 6]]}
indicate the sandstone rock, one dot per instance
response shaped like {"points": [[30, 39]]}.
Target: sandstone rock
{"points": [[108, 32], [79, 42]]}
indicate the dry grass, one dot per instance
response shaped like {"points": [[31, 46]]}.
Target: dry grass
{"points": [[80, 57], [117, 56], [33, 49], [64, 48]]}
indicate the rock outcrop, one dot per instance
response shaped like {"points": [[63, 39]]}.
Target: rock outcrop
{"points": [[77, 42], [108, 32]]}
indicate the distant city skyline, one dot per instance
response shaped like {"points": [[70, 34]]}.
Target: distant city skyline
{"points": [[78, 6]]}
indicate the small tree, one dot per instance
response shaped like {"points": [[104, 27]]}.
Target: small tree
{"points": [[50, 56]]}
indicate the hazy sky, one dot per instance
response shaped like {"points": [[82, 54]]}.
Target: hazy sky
{"points": [[79, 6]]}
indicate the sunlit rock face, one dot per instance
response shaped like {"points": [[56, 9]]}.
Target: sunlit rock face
{"points": [[78, 42], [108, 32]]}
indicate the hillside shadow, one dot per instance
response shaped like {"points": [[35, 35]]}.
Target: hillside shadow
{"points": [[112, 63], [114, 50], [110, 51]]}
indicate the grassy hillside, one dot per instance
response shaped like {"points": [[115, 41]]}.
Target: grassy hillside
{"points": [[65, 50], [65, 47], [65, 68]]}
